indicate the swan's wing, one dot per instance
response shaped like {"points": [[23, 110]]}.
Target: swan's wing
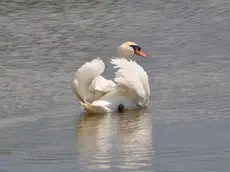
{"points": [[85, 75], [102, 84], [88, 84], [98, 88], [134, 77]]}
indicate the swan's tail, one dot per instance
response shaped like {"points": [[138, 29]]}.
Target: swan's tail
{"points": [[88, 107], [85, 75], [93, 109]]}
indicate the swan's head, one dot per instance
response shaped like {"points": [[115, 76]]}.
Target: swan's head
{"points": [[129, 48]]}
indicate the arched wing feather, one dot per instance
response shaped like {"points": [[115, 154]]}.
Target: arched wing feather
{"points": [[88, 82], [134, 77]]}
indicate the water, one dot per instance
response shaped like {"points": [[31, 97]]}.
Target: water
{"points": [[42, 126]]}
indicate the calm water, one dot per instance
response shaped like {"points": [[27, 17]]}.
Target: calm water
{"points": [[186, 127]]}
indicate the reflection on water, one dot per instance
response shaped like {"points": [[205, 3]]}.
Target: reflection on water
{"points": [[124, 140]]}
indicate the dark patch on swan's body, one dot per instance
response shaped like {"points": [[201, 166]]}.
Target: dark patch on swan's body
{"points": [[121, 108]]}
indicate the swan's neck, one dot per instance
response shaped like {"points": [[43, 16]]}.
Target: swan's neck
{"points": [[122, 53]]}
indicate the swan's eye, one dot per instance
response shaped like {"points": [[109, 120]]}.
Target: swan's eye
{"points": [[136, 47]]}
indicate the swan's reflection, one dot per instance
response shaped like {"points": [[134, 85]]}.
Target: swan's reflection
{"points": [[116, 140]]}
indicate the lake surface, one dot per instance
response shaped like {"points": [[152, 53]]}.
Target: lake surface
{"points": [[185, 128]]}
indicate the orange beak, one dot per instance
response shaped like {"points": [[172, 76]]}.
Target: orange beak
{"points": [[140, 53]]}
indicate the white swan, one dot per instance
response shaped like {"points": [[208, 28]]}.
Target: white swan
{"points": [[99, 95]]}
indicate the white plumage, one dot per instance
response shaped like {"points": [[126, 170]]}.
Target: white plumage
{"points": [[99, 95], [134, 77], [88, 82]]}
